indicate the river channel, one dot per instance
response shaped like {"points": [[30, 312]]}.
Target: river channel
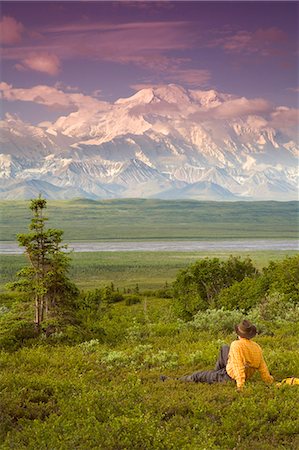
{"points": [[11, 248]]}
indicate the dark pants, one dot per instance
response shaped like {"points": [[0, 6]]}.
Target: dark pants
{"points": [[218, 375]]}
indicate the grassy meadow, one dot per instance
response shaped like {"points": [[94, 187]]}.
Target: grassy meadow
{"points": [[106, 393], [96, 385], [150, 270], [138, 219]]}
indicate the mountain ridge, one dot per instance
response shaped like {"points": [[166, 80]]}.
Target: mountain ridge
{"points": [[161, 141]]}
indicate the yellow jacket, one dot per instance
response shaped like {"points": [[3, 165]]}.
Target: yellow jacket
{"points": [[245, 357]]}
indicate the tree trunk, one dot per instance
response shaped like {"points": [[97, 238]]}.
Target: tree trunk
{"points": [[37, 320]]}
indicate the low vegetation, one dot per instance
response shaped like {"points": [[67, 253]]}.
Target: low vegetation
{"points": [[90, 378], [144, 219]]}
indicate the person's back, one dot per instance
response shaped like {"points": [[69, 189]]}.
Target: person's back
{"points": [[245, 357]]}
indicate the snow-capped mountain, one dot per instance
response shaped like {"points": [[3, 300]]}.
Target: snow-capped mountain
{"points": [[163, 142]]}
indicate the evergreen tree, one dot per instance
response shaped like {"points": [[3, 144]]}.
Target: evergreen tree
{"points": [[45, 278]]}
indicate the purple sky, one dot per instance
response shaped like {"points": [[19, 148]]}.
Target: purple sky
{"points": [[75, 52]]}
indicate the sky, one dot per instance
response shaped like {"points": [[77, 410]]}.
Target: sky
{"points": [[58, 56]]}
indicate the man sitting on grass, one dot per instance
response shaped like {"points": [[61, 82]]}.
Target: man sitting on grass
{"points": [[236, 362]]}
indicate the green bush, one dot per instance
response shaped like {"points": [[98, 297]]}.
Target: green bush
{"points": [[132, 300], [165, 292], [110, 295], [197, 287], [8, 298], [283, 277], [242, 295], [4, 310], [17, 334], [216, 320], [90, 300], [275, 308]]}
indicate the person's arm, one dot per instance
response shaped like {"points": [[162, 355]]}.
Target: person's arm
{"points": [[263, 369]]}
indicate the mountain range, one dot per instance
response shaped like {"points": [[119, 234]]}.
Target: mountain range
{"points": [[163, 142]]}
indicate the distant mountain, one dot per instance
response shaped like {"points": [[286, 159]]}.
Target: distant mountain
{"points": [[163, 142]]}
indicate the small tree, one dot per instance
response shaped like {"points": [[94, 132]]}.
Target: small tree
{"points": [[46, 276], [198, 286]]}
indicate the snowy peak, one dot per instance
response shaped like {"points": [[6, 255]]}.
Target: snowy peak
{"points": [[170, 93], [164, 141], [175, 94], [141, 97], [209, 98]]}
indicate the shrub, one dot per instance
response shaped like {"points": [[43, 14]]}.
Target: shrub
{"points": [[165, 292], [8, 298], [109, 295], [115, 297], [216, 320], [197, 287], [276, 308], [283, 277], [163, 359], [90, 346], [242, 295], [4, 310], [90, 300], [16, 333], [132, 300], [115, 358]]}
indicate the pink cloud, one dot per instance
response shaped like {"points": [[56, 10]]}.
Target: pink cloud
{"points": [[190, 77], [143, 44], [262, 41], [5, 86], [149, 6], [286, 120], [242, 107], [51, 97], [41, 62], [234, 109], [10, 30], [140, 43]]}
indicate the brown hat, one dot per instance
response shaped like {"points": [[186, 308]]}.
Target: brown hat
{"points": [[245, 329]]}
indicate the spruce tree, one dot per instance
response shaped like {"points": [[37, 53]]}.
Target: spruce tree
{"points": [[45, 278]]}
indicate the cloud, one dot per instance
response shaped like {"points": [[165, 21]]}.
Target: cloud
{"points": [[234, 109], [242, 107], [51, 97], [190, 77], [10, 30], [149, 6], [5, 86], [148, 45], [262, 41], [287, 121], [41, 62]]}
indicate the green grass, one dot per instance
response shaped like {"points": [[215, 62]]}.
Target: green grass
{"points": [[156, 219], [108, 395], [150, 270]]}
